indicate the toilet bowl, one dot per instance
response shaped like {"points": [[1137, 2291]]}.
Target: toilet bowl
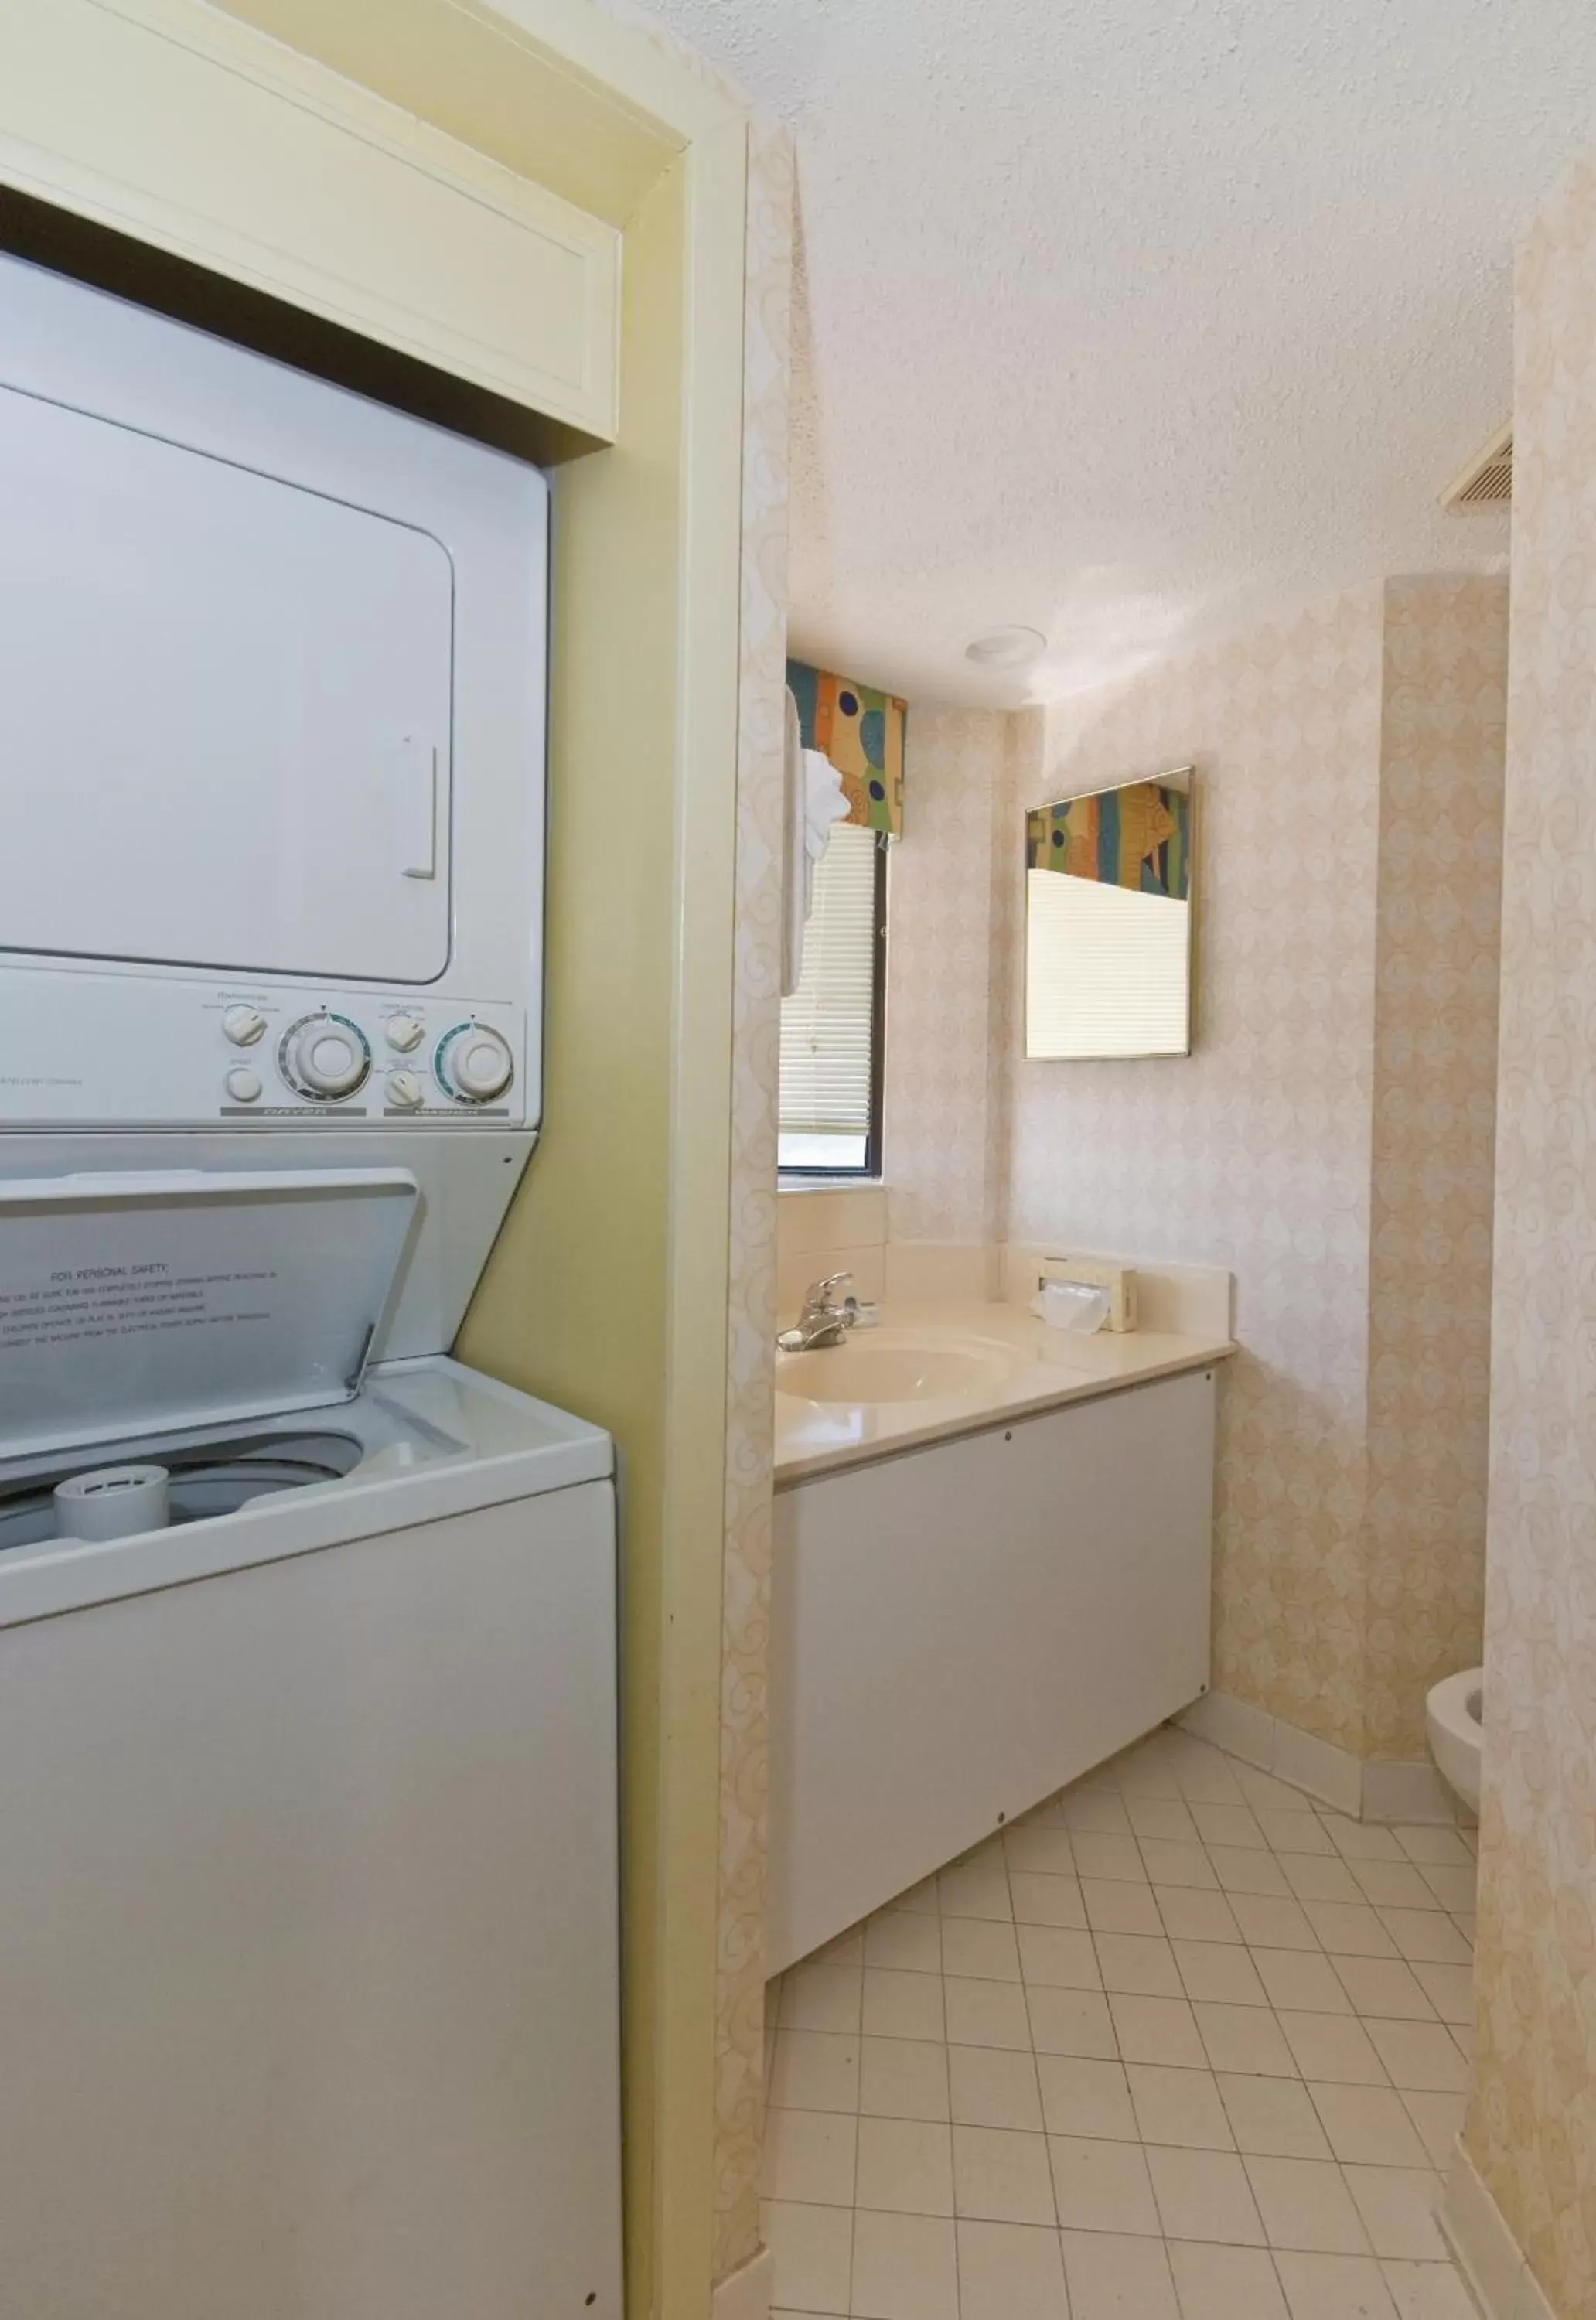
{"points": [[1457, 1737]]}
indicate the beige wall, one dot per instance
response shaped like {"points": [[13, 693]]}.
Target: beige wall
{"points": [[1532, 2123], [1433, 1137], [1329, 1140], [937, 1125], [744, 1778], [1253, 1153]]}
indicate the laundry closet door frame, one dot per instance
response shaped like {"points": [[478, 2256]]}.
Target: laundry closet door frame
{"points": [[172, 122], [563, 138]]}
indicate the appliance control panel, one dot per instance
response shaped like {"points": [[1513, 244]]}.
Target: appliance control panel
{"points": [[133, 1050]]}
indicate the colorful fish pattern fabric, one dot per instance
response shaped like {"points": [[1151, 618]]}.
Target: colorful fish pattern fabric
{"points": [[860, 729], [1138, 837]]}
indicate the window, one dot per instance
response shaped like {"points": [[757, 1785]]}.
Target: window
{"points": [[831, 1026]]}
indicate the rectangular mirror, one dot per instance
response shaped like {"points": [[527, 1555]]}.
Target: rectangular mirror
{"points": [[1108, 921]]}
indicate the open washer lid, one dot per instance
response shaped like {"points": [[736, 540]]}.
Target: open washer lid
{"points": [[183, 1298]]}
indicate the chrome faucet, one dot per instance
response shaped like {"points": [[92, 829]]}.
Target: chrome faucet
{"points": [[821, 1323]]}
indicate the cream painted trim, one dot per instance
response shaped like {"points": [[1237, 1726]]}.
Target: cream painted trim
{"points": [[186, 129], [587, 100], [1236, 1726], [745, 2294], [1334, 1775], [624, 56], [1367, 1790], [1489, 2258], [700, 1197], [1407, 1791], [1298, 1758]]}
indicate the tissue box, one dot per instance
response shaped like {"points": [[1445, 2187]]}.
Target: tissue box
{"points": [[1119, 1280]]}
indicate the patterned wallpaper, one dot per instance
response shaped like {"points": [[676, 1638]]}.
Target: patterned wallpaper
{"points": [[859, 730], [1532, 2123], [1330, 1139], [1434, 1132], [739, 1993], [937, 1125], [1253, 1153]]}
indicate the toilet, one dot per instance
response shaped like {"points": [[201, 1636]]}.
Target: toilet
{"points": [[1457, 1737]]}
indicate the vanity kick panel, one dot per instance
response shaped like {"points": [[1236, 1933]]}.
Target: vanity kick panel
{"points": [[959, 1631]]}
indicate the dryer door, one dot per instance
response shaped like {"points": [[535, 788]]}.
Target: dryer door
{"points": [[224, 713]]}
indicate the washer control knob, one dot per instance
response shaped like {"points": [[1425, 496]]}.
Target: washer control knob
{"points": [[244, 1085], [406, 1032], [405, 1091], [243, 1025], [475, 1063], [324, 1057]]}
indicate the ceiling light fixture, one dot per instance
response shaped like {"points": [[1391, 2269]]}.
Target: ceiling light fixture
{"points": [[1007, 647]]}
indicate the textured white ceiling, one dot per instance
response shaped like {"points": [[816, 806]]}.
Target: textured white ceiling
{"points": [[1137, 320]]}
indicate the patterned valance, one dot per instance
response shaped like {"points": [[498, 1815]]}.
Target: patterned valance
{"points": [[860, 730], [1139, 837]]}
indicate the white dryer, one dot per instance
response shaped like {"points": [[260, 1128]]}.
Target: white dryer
{"points": [[272, 701], [308, 1947]]}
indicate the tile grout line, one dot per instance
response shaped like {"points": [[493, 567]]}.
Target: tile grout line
{"points": [[848, 1956]]}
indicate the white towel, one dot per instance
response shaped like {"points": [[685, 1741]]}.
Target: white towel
{"points": [[794, 907], [814, 800]]}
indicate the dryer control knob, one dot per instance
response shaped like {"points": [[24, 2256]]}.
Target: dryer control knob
{"points": [[475, 1063], [405, 1091], [243, 1025], [243, 1084], [406, 1032], [324, 1057]]}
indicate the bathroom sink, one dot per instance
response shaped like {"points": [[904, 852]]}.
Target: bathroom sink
{"points": [[896, 1365]]}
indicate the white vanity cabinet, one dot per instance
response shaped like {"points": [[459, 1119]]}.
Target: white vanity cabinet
{"points": [[959, 1630]]}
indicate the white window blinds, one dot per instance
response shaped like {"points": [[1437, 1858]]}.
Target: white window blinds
{"points": [[828, 1023]]}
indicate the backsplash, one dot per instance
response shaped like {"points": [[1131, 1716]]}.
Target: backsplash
{"points": [[823, 1231]]}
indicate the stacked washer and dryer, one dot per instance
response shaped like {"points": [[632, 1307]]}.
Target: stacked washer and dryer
{"points": [[308, 1948]]}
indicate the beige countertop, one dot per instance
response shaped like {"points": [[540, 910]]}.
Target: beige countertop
{"points": [[1031, 1368]]}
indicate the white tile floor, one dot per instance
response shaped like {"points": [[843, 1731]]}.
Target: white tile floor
{"points": [[1180, 2046]]}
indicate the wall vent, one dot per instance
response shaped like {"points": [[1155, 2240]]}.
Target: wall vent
{"points": [[1487, 481]]}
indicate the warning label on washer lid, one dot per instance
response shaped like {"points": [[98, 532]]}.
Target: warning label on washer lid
{"points": [[130, 1300], [134, 1301]]}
